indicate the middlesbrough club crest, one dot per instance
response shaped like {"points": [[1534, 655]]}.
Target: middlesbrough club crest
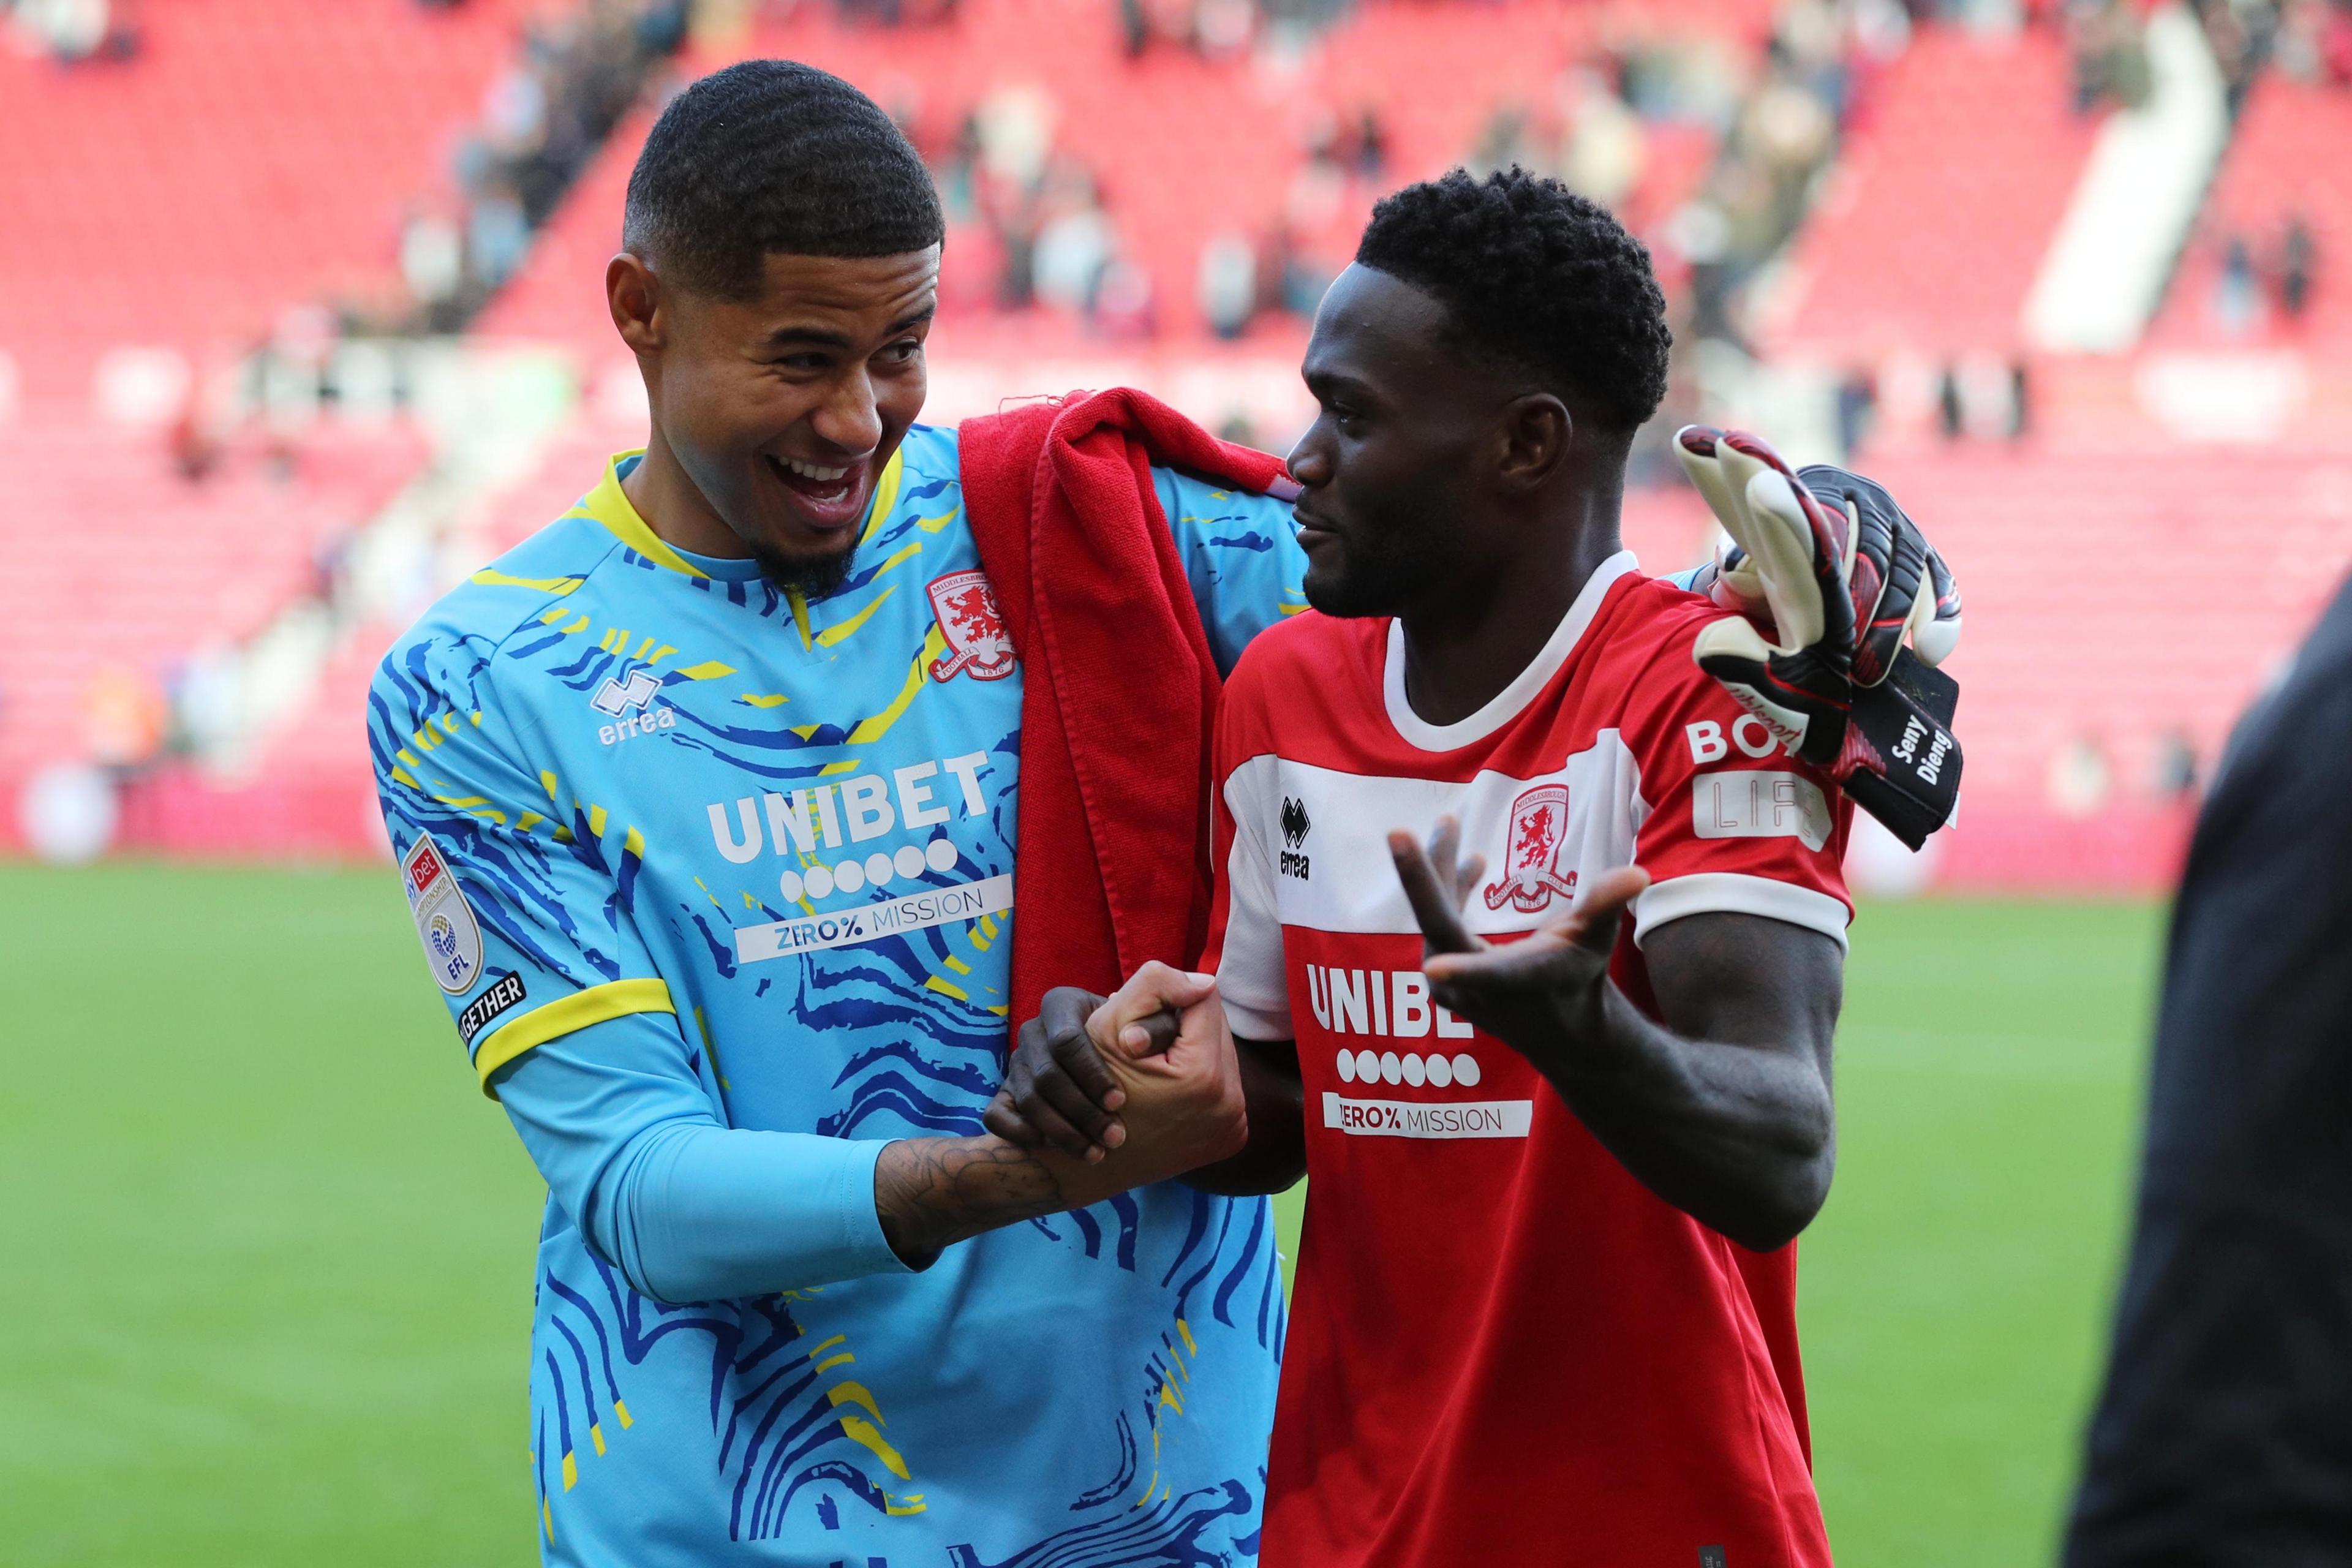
{"points": [[973, 625], [1539, 822]]}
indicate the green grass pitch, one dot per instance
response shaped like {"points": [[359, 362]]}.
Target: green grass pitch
{"points": [[268, 1252]]}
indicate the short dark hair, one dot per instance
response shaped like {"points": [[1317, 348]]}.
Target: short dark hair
{"points": [[770, 156], [1535, 276]]}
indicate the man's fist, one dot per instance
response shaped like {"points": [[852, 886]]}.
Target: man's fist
{"points": [[1832, 572]]}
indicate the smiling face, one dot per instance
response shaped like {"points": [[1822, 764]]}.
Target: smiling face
{"points": [[779, 410], [1398, 464]]}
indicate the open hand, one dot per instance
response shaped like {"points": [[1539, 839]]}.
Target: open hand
{"points": [[1539, 995]]}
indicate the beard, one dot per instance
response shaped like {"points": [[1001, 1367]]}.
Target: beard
{"points": [[1378, 574], [813, 576]]}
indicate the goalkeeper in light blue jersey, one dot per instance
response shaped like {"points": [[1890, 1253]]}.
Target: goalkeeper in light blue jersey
{"points": [[704, 800]]}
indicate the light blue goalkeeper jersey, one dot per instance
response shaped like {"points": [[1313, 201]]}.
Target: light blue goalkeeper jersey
{"points": [[688, 852]]}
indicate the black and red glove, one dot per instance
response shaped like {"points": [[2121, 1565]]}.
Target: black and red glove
{"points": [[1829, 577]]}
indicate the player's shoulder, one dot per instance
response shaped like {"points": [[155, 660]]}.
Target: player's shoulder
{"points": [[920, 493], [1311, 646], [1645, 653], [1653, 612], [929, 455], [1203, 500], [559, 568], [1308, 674]]}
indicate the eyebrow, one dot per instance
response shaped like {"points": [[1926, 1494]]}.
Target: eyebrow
{"points": [[1320, 382], [817, 337]]}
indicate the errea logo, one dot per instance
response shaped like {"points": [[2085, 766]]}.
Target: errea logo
{"points": [[1294, 829], [631, 702]]}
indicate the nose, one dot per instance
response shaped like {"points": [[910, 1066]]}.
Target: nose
{"points": [[1309, 462], [849, 418]]}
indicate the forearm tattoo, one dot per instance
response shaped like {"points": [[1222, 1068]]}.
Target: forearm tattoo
{"points": [[930, 1193]]}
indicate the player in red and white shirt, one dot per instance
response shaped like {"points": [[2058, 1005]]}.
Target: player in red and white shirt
{"points": [[1504, 1347], [1545, 1306], [1561, 1079]]}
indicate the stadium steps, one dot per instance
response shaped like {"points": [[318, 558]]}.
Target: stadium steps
{"points": [[1936, 218], [2104, 275]]}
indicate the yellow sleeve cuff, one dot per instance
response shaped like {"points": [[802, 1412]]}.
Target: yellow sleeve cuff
{"points": [[566, 1015]]}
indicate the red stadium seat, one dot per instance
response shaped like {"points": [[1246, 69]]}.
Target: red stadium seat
{"points": [[2118, 595], [255, 154], [1936, 219], [135, 569]]}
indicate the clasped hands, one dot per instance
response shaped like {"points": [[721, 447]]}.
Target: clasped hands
{"points": [[1145, 1085], [1162, 1087]]}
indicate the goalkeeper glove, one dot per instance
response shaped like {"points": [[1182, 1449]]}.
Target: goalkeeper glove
{"points": [[1829, 566]]}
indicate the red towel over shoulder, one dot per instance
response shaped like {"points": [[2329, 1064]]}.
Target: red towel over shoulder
{"points": [[1119, 690]]}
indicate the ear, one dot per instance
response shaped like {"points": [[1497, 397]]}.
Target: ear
{"points": [[1536, 428], [634, 295]]}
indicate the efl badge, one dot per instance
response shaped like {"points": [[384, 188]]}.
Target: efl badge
{"points": [[444, 922], [973, 625], [1539, 822]]}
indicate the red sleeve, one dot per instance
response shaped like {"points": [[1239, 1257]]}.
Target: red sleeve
{"points": [[1731, 821], [1244, 946]]}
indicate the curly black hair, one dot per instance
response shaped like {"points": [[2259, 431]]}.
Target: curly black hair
{"points": [[1535, 276], [772, 156]]}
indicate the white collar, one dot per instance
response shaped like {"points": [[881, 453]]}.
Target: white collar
{"points": [[1509, 702]]}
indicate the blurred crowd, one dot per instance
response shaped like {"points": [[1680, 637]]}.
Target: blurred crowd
{"points": [[574, 74], [72, 31], [2264, 278], [2307, 41], [1029, 212], [574, 71], [1710, 149], [1342, 162]]}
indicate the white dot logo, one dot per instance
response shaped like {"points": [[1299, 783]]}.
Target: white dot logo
{"points": [[849, 875], [789, 884], [939, 855], [878, 868], [908, 861], [818, 880], [1435, 1072]]}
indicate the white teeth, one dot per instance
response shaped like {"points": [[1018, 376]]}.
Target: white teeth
{"points": [[811, 471]]}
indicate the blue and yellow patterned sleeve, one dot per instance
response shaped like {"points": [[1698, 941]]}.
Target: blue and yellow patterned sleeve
{"points": [[521, 894], [1242, 554], [687, 1208], [523, 898]]}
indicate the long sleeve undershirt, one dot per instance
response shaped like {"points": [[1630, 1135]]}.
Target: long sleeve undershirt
{"points": [[687, 1209]]}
